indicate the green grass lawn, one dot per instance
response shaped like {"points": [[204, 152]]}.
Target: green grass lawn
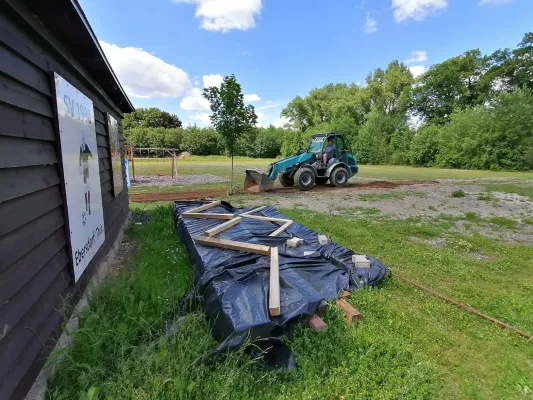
{"points": [[409, 344], [221, 166]]}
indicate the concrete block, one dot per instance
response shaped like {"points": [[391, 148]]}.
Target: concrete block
{"points": [[361, 261], [323, 239], [294, 242]]}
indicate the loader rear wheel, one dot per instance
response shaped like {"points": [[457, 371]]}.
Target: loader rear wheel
{"points": [[339, 177], [321, 181], [285, 180], [304, 178]]}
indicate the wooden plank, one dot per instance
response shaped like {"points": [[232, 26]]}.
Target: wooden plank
{"points": [[317, 324], [24, 342], [281, 229], [346, 294], [16, 182], [18, 95], [269, 219], [18, 212], [17, 307], [253, 211], [274, 305], [13, 278], [20, 69], [208, 216], [222, 227], [233, 245], [350, 313], [204, 207], [18, 152], [19, 123], [19, 242]]}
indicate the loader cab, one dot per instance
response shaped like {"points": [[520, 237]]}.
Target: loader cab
{"points": [[342, 149]]}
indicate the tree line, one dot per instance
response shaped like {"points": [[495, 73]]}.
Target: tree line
{"points": [[472, 111]]}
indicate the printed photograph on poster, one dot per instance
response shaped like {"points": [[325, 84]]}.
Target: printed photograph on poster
{"points": [[81, 172], [116, 158]]}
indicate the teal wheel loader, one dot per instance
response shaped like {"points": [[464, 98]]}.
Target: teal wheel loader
{"points": [[328, 158]]}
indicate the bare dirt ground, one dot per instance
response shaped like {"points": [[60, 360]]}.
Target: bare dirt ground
{"points": [[165, 180]]}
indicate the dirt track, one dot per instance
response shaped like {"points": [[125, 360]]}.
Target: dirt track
{"points": [[198, 194]]}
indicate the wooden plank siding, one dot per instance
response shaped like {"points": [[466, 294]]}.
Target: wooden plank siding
{"points": [[35, 277]]}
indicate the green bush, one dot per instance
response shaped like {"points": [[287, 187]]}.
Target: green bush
{"points": [[202, 141], [458, 193], [495, 136], [425, 146]]}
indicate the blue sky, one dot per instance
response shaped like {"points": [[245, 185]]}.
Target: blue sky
{"points": [[165, 51]]}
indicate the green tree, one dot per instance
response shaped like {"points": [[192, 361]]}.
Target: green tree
{"points": [[150, 118], [452, 85], [512, 69], [231, 118]]}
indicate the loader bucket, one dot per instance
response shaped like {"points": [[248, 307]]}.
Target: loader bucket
{"points": [[257, 181]]}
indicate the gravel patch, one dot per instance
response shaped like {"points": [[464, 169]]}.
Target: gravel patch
{"points": [[178, 180]]}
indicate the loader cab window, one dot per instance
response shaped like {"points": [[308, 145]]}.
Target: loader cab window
{"points": [[316, 146]]}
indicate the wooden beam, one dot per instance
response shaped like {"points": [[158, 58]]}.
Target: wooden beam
{"points": [[266, 218], [208, 216], [350, 313], [253, 211], [233, 245], [281, 229], [204, 207], [274, 297], [346, 294], [222, 227], [317, 324]]}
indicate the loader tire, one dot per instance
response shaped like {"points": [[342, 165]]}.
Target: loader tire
{"points": [[304, 178], [321, 181], [285, 180], [339, 177]]}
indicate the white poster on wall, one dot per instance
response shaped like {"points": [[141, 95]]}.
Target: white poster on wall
{"points": [[81, 172], [116, 158]]}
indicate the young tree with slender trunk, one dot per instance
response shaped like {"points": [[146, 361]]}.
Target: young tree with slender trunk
{"points": [[230, 117]]}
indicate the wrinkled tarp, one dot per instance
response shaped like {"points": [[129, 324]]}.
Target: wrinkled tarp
{"points": [[234, 285]]}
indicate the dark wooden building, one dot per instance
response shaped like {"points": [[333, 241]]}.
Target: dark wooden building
{"points": [[38, 38]]}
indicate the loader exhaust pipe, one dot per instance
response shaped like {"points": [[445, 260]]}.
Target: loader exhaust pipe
{"points": [[257, 181]]}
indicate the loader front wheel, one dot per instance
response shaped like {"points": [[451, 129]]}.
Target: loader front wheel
{"points": [[304, 178], [285, 180], [339, 177]]}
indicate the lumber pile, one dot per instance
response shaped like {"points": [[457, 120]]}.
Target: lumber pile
{"points": [[274, 302]]}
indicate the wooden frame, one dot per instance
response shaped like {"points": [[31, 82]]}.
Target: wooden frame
{"points": [[281, 229], [222, 227], [205, 207], [269, 219], [274, 295], [253, 211], [233, 245], [208, 215]]}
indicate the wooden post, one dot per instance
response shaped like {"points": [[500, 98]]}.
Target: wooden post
{"points": [[274, 297], [133, 163], [173, 156]]}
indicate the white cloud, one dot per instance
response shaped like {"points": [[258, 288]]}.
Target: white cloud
{"points": [[212, 80], [417, 56], [493, 2], [195, 101], [250, 98], [416, 9], [268, 104], [144, 75], [201, 118], [371, 24], [417, 70], [225, 15]]}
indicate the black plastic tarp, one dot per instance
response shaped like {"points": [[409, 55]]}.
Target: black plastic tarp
{"points": [[234, 285]]}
